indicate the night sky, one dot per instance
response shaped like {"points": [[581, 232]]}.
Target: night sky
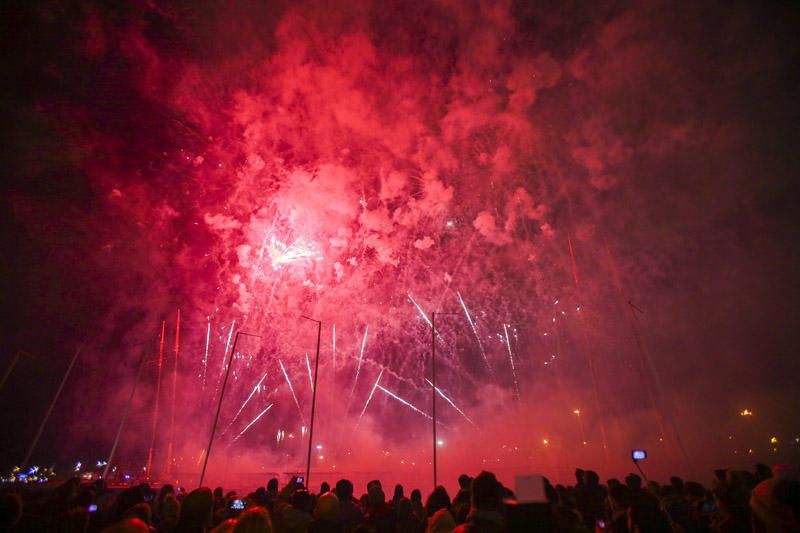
{"points": [[605, 194]]}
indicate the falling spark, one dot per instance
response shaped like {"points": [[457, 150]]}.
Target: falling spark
{"points": [[574, 263], [205, 357], [255, 389], [227, 345], [369, 397], [292, 390], [475, 331], [511, 359], [360, 357], [424, 316], [262, 413], [310, 379], [448, 400], [399, 399]]}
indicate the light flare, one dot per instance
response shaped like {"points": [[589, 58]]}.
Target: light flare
{"points": [[281, 253]]}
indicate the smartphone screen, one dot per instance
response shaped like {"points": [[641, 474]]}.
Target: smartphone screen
{"points": [[237, 504]]}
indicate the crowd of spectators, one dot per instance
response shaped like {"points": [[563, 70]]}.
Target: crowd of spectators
{"points": [[765, 499]]}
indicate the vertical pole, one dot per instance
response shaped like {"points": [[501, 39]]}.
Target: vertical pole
{"points": [[174, 392], [50, 410], [219, 406], [9, 369], [149, 467], [313, 405], [433, 392], [124, 416]]}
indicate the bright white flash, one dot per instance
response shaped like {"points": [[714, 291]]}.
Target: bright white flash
{"points": [[281, 253]]}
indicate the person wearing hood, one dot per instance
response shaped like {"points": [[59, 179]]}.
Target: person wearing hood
{"points": [[327, 515], [441, 522], [293, 518], [484, 515]]}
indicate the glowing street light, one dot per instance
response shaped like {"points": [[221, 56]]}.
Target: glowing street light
{"points": [[746, 412]]}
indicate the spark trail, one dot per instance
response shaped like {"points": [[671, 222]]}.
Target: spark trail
{"points": [[424, 316], [288, 381], [399, 399], [262, 413], [225, 358], [310, 379], [369, 398], [448, 400], [205, 357], [227, 346], [511, 360], [360, 357], [475, 331], [255, 389]]}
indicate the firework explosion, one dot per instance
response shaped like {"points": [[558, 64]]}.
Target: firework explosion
{"points": [[368, 167]]}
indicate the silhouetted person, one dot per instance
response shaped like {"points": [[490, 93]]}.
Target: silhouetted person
{"points": [[196, 511], [405, 519], [378, 515], [762, 473], [324, 487], [438, 499], [351, 514], [327, 515], [416, 505], [253, 520], [462, 500], [485, 513], [398, 495], [127, 499], [591, 499], [619, 501]]}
